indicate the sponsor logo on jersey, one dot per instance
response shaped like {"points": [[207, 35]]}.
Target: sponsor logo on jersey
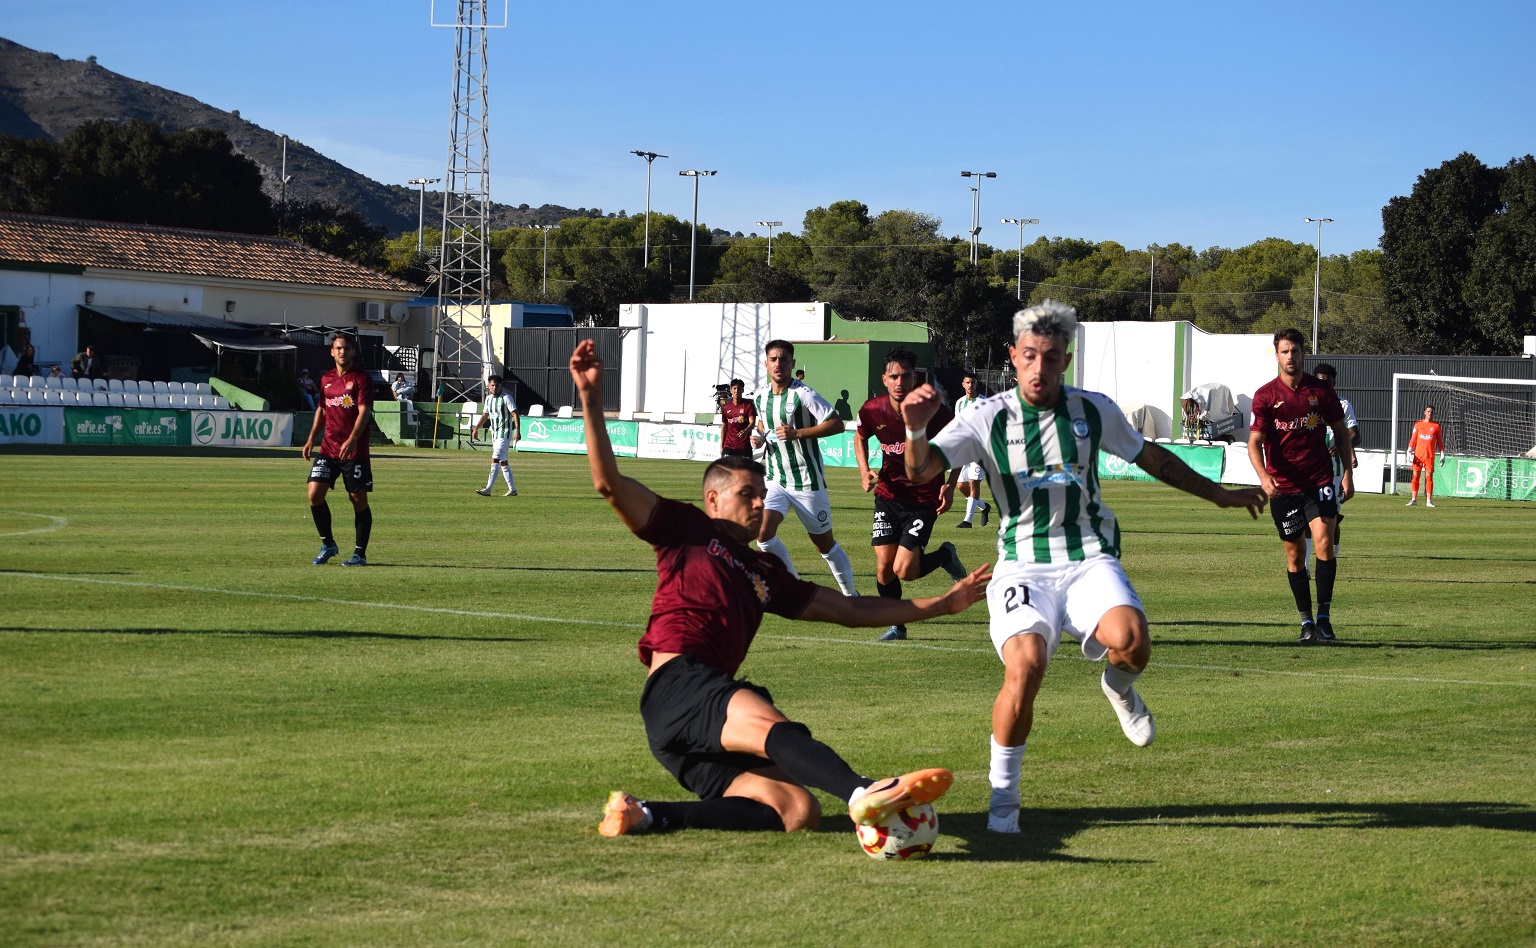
{"points": [[1052, 475]]}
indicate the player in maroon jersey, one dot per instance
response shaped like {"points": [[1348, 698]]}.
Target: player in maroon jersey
{"points": [[738, 416], [346, 399], [720, 736], [1288, 448], [904, 512]]}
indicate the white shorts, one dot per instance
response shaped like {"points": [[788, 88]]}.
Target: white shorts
{"points": [[499, 448], [1047, 600], [812, 506], [972, 472], [1338, 490]]}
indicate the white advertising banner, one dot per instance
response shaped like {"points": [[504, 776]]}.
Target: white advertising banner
{"points": [[27, 424], [679, 442], [241, 429]]}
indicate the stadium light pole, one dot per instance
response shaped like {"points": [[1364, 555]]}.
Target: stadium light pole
{"points": [[1151, 277], [421, 206], [693, 246], [649, 157], [976, 215], [546, 228], [1317, 277], [1021, 221], [770, 225]]}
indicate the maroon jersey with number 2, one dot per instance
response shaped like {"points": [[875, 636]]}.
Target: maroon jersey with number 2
{"points": [[711, 592], [880, 420]]}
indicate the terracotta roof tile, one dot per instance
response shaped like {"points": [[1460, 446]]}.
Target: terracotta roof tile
{"points": [[67, 241]]}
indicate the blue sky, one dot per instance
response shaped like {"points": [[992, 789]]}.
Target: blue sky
{"points": [[1199, 123]]}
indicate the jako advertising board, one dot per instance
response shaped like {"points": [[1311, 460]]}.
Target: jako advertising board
{"points": [[240, 429], [28, 425]]}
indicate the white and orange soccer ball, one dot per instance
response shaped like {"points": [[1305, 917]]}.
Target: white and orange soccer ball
{"points": [[905, 834]]}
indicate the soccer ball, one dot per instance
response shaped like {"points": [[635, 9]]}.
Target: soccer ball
{"points": [[904, 834]]}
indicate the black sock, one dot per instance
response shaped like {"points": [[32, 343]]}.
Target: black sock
{"points": [[890, 590], [809, 762], [1326, 571], [934, 560], [726, 813], [322, 515], [363, 520], [1302, 591]]}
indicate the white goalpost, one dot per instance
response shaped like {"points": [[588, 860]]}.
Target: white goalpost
{"points": [[1481, 417]]}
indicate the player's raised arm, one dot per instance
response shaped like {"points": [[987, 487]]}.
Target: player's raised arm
{"points": [[632, 500], [828, 605], [1166, 467], [917, 409]]}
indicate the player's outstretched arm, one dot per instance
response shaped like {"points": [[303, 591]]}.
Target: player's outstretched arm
{"points": [[874, 611], [632, 500], [917, 409], [1166, 467]]}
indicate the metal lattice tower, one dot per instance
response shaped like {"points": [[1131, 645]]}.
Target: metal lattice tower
{"points": [[464, 352]]}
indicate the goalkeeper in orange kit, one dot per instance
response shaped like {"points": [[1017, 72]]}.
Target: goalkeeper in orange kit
{"points": [[1427, 440]]}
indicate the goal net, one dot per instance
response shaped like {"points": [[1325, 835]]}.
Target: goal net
{"points": [[1479, 417]]}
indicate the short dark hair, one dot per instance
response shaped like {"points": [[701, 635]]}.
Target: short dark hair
{"points": [[736, 382], [968, 375], [1326, 368], [902, 356], [788, 347], [1291, 335], [331, 339], [723, 467], [495, 378]]}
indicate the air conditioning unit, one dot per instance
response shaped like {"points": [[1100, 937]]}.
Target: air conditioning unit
{"points": [[370, 312]]}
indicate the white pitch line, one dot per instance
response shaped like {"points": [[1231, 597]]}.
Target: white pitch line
{"points": [[325, 599], [819, 640], [54, 523]]}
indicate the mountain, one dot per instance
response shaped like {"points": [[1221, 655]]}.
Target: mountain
{"points": [[43, 96]]}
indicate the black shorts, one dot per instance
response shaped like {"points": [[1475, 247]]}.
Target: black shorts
{"points": [[683, 706], [907, 524], [745, 452], [1292, 512], [356, 475]]}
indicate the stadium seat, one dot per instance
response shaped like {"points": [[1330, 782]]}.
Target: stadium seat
{"points": [[203, 388], [99, 399], [159, 388], [174, 388], [115, 400], [220, 403], [564, 412], [8, 396], [535, 411], [51, 382], [114, 385], [163, 400], [52, 396], [20, 381]]}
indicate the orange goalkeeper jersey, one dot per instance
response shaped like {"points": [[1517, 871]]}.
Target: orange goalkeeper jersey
{"points": [[1426, 440]]}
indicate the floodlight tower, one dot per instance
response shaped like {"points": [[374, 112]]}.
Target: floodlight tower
{"points": [[463, 312]]}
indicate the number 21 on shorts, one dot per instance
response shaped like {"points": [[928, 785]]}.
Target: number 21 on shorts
{"points": [[1015, 596]]}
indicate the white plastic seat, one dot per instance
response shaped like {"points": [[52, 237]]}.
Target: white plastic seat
{"points": [[204, 389], [20, 381], [99, 399], [114, 385], [8, 396], [115, 400], [51, 382], [536, 411], [174, 388], [158, 387], [220, 403], [564, 412], [53, 396]]}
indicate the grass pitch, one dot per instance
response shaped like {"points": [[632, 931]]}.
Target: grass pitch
{"points": [[205, 739]]}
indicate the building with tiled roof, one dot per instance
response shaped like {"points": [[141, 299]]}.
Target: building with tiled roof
{"points": [[65, 278]]}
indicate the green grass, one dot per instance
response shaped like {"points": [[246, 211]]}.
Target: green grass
{"points": [[204, 739]]}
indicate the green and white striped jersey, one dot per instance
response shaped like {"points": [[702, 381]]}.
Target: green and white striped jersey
{"points": [[1351, 424], [795, 465], [966, 401], [1042, 467], [500, 409]]}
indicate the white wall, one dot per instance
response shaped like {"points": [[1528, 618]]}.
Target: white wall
{"points": [[1240, 362], [676, 353]]}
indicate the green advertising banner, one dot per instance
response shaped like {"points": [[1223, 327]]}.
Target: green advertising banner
{"points": [[1205, 460], [569, 436], [1487, 478], [129, 426]]}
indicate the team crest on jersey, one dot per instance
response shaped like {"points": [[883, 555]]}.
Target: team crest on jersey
{"points": [[1312, 400], [1080, 427]]}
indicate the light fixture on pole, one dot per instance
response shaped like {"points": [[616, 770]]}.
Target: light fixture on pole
{"points": [[693, 246], [421, 206], [546, 228], [649, 157], [770, 225], [1317, 278], [1021, 221], [976, 213], [1151, 277]]}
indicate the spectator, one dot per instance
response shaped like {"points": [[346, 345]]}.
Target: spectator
{"points": [[404, 391], [54, 373], [309, 390], [88, 365], [26, 361]]}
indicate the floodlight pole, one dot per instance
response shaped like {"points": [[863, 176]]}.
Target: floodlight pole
{"points": [[421, 207], [649, 157], [693, 245], [546, 228], [770, 225], [1151, 278], [976, 217], [1021, 221], [1317, 278]]}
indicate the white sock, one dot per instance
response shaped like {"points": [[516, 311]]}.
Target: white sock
{"points": [[506, 472], [842, 568], [777, 548], [970, 508], [1120, 680], [1004, 773], [491, 481]]}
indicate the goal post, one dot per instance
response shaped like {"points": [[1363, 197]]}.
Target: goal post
{"points": [[1489, 427]]}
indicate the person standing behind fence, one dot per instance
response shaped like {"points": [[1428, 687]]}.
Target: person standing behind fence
{"points": [[1427, 439], [737, 419], [346, 400], [500, 415]]}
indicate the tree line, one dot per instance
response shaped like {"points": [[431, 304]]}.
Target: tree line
{"points": [[1456, 271]]}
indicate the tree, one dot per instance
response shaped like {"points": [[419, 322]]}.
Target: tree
{"points": [[338, 231], [1500, 287], [607, 283], [1248, 289]]}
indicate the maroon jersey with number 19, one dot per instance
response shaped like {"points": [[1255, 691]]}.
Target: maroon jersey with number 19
{"points": [[344, 395], [880, 420]]}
